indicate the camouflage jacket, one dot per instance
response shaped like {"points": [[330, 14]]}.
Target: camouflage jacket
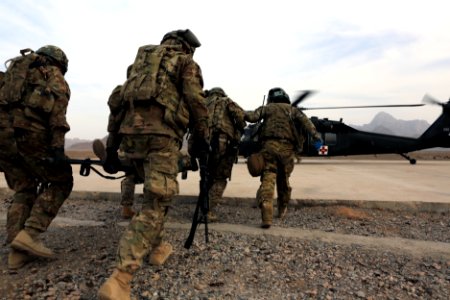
{"points": [[4, 114], [44, 104], [177, 104], [278, 122], [225, 116]]}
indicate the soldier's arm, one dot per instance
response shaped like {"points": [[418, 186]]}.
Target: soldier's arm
{"points": [[57, 118], [238, 115], [116, 116], [307, 124], [192, 87], [254, 116]]}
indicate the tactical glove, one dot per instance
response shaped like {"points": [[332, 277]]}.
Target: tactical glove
{"points": [[318, 144], [112, 162], [57, 156]]}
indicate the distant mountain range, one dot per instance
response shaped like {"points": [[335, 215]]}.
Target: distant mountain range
{"points": [[381, 123], [387, 124]]}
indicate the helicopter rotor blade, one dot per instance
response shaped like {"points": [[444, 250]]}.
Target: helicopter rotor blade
{"points": [[302, 96], [362, 106], [427, 99]]}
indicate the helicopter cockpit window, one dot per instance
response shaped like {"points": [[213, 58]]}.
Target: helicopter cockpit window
{"points": [[330, 138]]}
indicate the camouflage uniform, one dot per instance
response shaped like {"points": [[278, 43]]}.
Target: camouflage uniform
{"points": [[150, 133], [127, 187], [39, 123], [278, 147], [8, 147], [226, 123], [15, 172]]}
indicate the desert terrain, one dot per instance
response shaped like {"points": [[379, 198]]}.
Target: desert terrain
{"points": [[322, 250]]}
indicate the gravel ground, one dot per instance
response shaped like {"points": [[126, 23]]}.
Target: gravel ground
{"points": [[239, 266]]}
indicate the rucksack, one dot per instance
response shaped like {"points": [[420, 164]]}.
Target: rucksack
{"points": [[146, 78], [15, 76], [219, 118]]}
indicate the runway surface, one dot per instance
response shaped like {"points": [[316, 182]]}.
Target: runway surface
{"points": [[323, 179]]}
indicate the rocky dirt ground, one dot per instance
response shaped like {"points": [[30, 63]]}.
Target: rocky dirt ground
{"points": [[241, 266]]}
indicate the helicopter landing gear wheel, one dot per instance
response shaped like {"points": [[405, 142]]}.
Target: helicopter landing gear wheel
{"points": [[412, 161]]}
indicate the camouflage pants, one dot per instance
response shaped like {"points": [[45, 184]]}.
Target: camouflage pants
{"points": [[16, 175], [43, 186], [127, 187], [220, 165], [279, 164], [156, 160]]}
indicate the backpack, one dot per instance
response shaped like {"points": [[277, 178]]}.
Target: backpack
{"points": [[154, 77], [15, 76], [219, 118], [146, 78]]}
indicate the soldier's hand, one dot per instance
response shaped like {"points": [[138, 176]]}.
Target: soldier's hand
{"points": [[57, 156], [112, 162]]}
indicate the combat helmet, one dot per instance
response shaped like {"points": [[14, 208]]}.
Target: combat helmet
{"points": [[217, 91], [56, 54], [185, 36], [278, 95]]}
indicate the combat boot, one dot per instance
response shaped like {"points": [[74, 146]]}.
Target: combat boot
{"points": [[25, 242], [17, 259], [99, 149], [160, 254], [117, 287], [266, 214], [127, 212]]}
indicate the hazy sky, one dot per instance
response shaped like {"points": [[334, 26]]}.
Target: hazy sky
{"points": [[351, 52]]}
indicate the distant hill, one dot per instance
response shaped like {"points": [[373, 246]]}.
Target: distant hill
{"points": [[387, 124], [80, 145], [76, 142]]}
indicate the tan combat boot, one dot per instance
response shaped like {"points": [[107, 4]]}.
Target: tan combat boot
{"points": [[117, 287], [160, 254], [25, 242], [17, 259], [99, 149], [127, 212], [266, 214]]}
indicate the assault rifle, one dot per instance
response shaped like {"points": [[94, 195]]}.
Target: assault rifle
{"points": [[202, 208], [185, 163], [86, 167]]}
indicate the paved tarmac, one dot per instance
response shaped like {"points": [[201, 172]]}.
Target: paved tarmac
{"points": [[322, 179], [327, 179]]}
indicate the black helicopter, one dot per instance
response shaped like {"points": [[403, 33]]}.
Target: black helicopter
{"points": [[340, 139]]}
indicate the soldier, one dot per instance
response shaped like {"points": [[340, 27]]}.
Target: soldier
{"points": [[226, 124], [279, 139], [11, 164], [42, 176], [127, 185], [162, 97]]}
